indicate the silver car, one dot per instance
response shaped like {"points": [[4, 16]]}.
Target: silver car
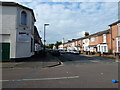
{"points": [[74, 51]]}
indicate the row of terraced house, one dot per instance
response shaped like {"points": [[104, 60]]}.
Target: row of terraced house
{"points": [[107, 41]]}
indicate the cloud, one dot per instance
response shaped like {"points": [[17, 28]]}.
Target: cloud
{"points": [[80, 34], [70, 20], [17, 0]]}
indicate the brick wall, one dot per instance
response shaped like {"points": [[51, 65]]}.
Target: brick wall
{"points": [[108, 39], [114, 30]]}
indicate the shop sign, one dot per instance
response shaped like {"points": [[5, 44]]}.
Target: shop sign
{"points": [[23, 37]]}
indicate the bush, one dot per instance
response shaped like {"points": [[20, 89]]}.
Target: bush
{"points": [[117, 54], [92, 53], [110, 51], [99, 52], [105, 53]]}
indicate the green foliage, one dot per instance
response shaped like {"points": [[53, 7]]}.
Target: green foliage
{"points": [[57, 44], [50, 46], [109, 51]]}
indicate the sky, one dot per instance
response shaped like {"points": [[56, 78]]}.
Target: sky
{"points": [[69, 20]]}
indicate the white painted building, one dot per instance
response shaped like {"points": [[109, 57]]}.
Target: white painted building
{"points": [[61, 46], [17, 30], [118, 39], [103, 47], [72, 46], [86, 44]]}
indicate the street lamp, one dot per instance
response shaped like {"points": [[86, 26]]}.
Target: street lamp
{"points": [[44, 35]]}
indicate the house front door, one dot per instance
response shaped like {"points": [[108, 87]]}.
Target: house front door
{"points": [[5, 51]]}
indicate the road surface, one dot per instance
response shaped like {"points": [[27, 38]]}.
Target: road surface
{"points": [[76, 71]]}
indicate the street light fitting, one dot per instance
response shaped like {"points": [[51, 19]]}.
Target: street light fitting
{"points": [[46, 24]]}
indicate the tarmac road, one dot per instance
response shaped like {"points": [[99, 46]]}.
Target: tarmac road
{"points": [[72, 59], [71, 74]]}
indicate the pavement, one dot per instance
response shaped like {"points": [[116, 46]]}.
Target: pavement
{"points": [[33, 62]]}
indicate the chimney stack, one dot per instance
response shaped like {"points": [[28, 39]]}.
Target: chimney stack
{"points": [[86, 34], [73, 39], [69, 41]]}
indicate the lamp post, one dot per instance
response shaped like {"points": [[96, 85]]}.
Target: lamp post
{"points": [[63, 43], [44, 34]]}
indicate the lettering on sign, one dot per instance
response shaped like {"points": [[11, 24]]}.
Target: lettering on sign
{"points": [[23, 37]]}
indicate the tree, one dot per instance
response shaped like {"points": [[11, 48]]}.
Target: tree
{"points": [[57, 44], [50, 46]]}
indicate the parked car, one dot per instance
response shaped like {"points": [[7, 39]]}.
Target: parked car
{"points": [[69, 51], [50, 50], [55, 52], [74, 52], [62, 51]]}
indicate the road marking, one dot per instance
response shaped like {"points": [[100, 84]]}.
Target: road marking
{"points": [[94, 61], [39, 79], [61, 63]]}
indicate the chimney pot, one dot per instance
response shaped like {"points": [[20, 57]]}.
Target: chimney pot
{"points": [[86, 33]]}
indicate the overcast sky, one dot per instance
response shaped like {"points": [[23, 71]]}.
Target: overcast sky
{"points": [[69, 20]]}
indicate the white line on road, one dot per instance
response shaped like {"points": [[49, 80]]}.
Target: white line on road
{"points": [[38, 79], [94, 61]]}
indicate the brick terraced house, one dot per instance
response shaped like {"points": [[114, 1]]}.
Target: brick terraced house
{"points": [[115, 37], [107, 41]]}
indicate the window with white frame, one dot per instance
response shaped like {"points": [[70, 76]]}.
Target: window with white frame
{"points": [[86, 41], [104, 38], [23, 18], [103, 48], [92, 39], [118, 44], [98, 48], [119, 29]]}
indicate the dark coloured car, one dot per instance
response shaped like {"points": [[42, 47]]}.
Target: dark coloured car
{"points": [[55, 52], [62, 51]]}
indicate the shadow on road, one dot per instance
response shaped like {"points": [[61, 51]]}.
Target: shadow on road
{"points": [[36, 58], [84, 58]]}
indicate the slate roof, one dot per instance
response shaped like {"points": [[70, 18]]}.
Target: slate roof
{"points": [[115, 23]]}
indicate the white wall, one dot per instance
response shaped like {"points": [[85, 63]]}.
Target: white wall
{"points": [[1, 21], [104, 38], [102, 48], [118, 29], [91, 49], [30, 20], [60, 46], [0, 45], [8, 19], [23, 49], [9, 27], [5, 38], [86, 44], [117, 44]]}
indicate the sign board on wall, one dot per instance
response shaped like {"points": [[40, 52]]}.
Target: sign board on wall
{"points": [[23, 37]]}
